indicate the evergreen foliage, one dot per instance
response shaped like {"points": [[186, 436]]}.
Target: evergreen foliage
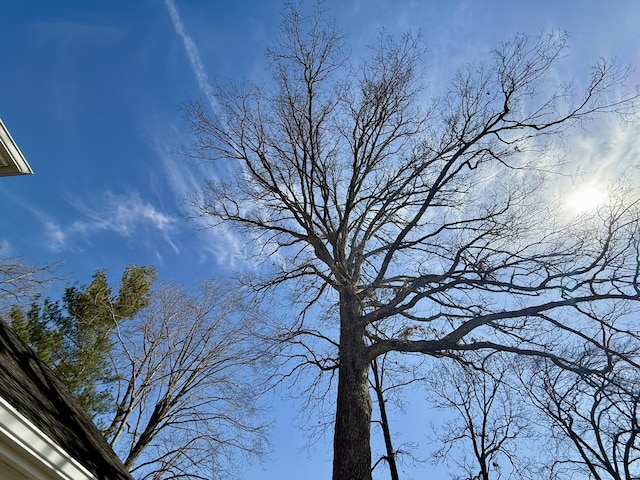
{"points": [[74, 336]]}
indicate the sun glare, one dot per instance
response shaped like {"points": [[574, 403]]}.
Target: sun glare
{"points": [[585, 199]]}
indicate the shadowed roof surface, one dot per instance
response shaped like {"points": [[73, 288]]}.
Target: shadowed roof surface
{"points": [[32, 389]]}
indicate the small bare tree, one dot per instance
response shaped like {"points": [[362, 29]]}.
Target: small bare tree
{"points": [[489, 420], [429, 224], [185, 405], [19, 281], [594, 421]]}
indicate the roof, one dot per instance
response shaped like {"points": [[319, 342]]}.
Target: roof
{"points": [[12, 162], [34, 391]]}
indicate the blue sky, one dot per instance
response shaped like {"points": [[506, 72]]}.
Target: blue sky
{"points": [[91, 92]]}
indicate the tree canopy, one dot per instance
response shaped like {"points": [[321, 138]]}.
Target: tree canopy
{"points": [[430, 223]]}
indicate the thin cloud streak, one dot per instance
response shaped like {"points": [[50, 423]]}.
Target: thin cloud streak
{"points": [[595, 161], [124, 215], [223, 245], [192, 53]]}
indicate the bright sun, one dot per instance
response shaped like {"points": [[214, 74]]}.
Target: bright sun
{"points": [[585, 199]]}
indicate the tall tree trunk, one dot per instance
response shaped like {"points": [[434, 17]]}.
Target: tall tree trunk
{"points": [[351, 443]]}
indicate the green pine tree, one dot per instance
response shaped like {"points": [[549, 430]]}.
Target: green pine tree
{"points": [[74, 336]]}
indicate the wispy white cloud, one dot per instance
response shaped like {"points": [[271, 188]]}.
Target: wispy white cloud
{"points": [[124, 215], [608, 151], [192, 53], [182, 179], [596, 160], [57, 237], [185, 181]]}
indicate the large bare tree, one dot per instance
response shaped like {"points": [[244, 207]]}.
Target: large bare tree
{"points": [[185, 405], [427, 222]]}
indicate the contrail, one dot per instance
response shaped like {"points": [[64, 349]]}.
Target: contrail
{"points": [[192, 53], [227, 246]]}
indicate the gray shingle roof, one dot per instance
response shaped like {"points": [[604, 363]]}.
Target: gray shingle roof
{"points": [[33, 390]]}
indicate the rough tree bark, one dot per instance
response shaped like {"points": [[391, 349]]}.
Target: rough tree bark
{"points": [[353, 406]]}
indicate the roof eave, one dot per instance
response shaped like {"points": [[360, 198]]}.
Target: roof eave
{"points": [[12, 162], [27, 449]]}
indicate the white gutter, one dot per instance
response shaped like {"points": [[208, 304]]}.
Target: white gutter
{"points": [[27, 449]]}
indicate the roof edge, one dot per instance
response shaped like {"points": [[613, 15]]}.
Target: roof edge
{"points": [[12, 161], [30, 450]]}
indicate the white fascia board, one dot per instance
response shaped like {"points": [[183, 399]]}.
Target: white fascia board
{"points": [[27, 449], [12, 162]]}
